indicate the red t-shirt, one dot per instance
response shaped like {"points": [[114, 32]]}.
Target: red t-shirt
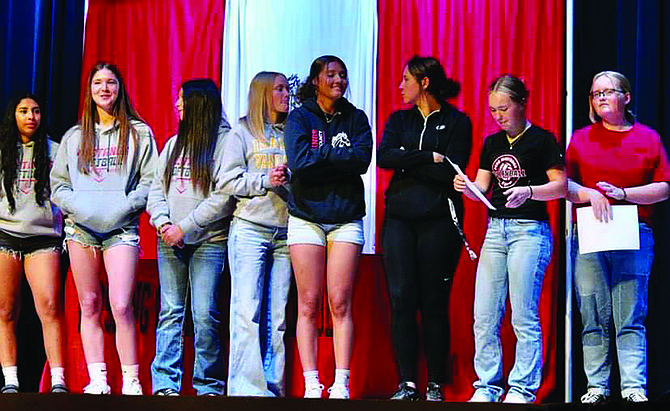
{"points": [[623, 158]]}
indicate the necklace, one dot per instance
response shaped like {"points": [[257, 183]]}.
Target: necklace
{"points": [[513, 140]]}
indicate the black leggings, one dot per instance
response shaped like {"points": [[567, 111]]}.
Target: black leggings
{"points": [[421, 257]]}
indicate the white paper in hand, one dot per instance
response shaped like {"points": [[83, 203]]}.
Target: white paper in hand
{"points": [[620, 233], [471, 186]]}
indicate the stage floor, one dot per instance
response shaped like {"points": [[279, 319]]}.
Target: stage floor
{"points": [[74, 402]]}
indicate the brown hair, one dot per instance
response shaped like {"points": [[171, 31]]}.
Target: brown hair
{"points": [[122, 111]]}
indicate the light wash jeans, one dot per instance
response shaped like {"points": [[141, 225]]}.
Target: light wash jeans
{"points": [[613, 285], [194, 270], [514, 256], [260, 270]]}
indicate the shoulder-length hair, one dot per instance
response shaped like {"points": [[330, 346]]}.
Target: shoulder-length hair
{"points": [[623, 84], [123, 111], [440, 86], [198, 133], [260, 103], [9, 148], [307, 90]]}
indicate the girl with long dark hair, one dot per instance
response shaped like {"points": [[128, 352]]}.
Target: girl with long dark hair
{"points": [[30, 236], [101, 179], [192, 215], [422, 244]]}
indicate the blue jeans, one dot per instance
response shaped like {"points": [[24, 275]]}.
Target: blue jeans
{"points": [[514, 257], [613, 285], [260, 270], [194, 269]]}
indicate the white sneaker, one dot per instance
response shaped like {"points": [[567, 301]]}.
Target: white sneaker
{"points": [[99, 387], [131, 387], [483, 395], [339, 392], [514, 397], [593, 396], [313, 390], [636, 396]]}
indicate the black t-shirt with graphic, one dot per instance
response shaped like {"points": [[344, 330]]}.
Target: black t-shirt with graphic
{"points": [[524, 163]]}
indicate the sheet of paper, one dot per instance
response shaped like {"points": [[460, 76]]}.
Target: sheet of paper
{"points": [[471, 186], [620, 233]]}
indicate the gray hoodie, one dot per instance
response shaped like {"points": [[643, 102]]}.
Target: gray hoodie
{"points": [[29, 219], [200, 218], [111, 196], [248, 162]]}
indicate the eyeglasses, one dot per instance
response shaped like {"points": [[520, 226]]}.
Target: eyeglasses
{"points": [[609, 92]]}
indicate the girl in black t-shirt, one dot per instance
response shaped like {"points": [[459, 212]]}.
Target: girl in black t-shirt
{"points": [[523, 166]]}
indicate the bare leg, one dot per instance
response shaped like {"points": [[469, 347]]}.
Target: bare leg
{"points": [[121, 265], [341, 274], [11, 269], [308, 265], [43, 274], [85, 262]]}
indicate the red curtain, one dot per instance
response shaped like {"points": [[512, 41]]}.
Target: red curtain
{"points": [[478, 40]]}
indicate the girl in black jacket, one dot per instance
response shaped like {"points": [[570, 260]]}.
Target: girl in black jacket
{"points": [[420, 238]]}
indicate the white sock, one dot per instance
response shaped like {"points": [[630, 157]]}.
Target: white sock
{"points": [[311, 378], [57, 376], [410, 384], [11, 375], [97, 371], [341, 377], [130, 372]]}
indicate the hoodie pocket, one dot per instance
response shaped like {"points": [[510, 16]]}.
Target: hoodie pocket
{"points": [[102, 211]]}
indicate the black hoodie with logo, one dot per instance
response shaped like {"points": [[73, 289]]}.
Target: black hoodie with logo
{"points": [[420, 187], [326, 156]]}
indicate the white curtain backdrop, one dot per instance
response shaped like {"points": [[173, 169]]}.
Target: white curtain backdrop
{"points": [[286, 36]]}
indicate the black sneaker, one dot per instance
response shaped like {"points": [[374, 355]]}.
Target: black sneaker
{"points": [[434, 392], [167, 392], [405, 393]]}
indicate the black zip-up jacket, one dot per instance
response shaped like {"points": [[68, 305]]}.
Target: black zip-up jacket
{"points": [[420, 187], [326, 159]]}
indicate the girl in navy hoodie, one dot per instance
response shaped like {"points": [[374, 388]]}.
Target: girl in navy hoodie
{"points": [[329, 146]]}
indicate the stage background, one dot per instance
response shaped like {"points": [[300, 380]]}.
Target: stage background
{"points": [[157, 45]]}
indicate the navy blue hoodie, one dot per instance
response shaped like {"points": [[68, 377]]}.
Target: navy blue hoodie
{"points": [[326, 158]]}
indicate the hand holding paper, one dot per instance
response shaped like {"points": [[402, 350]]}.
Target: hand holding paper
{"points": [[470, 185]]}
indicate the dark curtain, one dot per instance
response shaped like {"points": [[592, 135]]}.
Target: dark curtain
{"points": [[40, 48], [630, 36]]}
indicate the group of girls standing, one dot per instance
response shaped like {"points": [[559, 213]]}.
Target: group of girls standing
{"points": [[282, 192]]}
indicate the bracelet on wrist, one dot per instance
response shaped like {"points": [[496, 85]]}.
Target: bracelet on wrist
{"points": [[624, 193], [530, 197]]}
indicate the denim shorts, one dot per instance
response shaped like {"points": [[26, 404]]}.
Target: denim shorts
{"points": [[22, 247], [128, 235], [306, 232]]}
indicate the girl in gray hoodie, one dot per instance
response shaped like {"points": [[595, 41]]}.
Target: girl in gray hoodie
{"points": [[260, 267], [30, 237], [101, 179], [191, 214]]}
